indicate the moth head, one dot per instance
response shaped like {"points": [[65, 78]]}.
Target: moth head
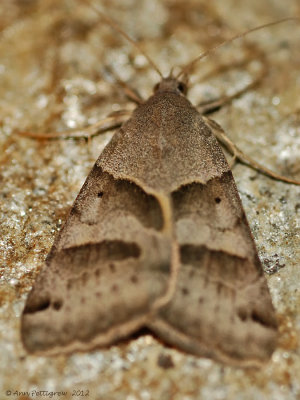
{"points": [[171, 85]]}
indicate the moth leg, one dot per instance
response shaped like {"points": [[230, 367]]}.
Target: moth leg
{"points": [[238, 154], [131, 93], [233, 160], [112, 121], [213, 105]]}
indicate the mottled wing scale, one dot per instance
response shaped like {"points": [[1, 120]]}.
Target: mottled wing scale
{"points": [[222, 308], [108, 265], [112, 260]]}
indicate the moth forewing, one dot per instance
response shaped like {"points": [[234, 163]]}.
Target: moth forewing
{"points": [[112, 261]]}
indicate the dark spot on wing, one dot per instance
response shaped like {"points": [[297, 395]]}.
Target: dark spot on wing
{"points": [[57, 304]]}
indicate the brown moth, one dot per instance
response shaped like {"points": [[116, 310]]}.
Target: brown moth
{"points": [[156, 238]]}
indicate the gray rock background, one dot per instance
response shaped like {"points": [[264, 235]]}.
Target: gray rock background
{"points": [[53, 76]]}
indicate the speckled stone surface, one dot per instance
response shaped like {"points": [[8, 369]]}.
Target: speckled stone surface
{"points": [[54, 56]]}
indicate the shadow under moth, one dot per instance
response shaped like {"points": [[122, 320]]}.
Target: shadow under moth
{"points": [[156, 238]]}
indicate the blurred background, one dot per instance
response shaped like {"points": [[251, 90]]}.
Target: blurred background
{"points": [[56, 58]]}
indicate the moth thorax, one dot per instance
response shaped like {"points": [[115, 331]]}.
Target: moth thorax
{"points": [[171, 85]]}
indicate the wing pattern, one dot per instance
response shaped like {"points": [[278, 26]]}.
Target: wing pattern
{"points": [[112, 260]]}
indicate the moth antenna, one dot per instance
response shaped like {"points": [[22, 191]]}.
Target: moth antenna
{"points": [[185, 70], [171, 72], [114, 25]]}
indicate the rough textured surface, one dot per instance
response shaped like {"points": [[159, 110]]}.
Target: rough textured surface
{"points": [[53, 76]]}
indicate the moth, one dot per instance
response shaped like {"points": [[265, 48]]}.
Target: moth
{"points": [[157, 237]]}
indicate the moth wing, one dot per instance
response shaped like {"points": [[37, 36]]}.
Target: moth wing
{"points": [[108, 265], [222, 307]]}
